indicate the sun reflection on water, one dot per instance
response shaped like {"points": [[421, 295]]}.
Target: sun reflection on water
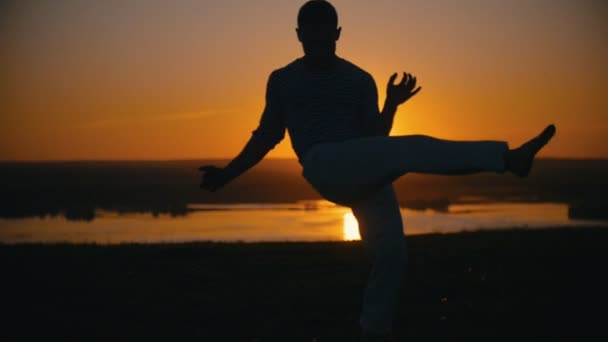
{"points": [[351, 228], [276, 222]]}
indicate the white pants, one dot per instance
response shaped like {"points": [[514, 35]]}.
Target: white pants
{"points": [[359, 173]]}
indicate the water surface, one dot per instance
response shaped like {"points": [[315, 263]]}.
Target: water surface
{"points": [[302, 221]]}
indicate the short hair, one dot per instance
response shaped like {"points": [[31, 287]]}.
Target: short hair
{"points": [[317, 11]]}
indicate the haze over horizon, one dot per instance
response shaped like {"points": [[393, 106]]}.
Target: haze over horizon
{"points": [[166, 80]]}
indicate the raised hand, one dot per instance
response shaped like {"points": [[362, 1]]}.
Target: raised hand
{"points": [[213, 177], [397, 94]]}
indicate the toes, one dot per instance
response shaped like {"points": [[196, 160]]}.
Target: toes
{"points": [[548, 133]]}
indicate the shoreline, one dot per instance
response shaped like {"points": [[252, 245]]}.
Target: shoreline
{"points": [[515, 230]]}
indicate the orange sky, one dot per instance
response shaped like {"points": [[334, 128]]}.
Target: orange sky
{"points": [[186, 79]]}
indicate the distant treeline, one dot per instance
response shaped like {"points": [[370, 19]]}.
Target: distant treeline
{"points": [[76, 189]]}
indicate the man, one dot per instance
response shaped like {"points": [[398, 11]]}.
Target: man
{"points": [[330, 108]]}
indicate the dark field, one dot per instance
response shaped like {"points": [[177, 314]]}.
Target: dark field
{"points": [[544, 285]]}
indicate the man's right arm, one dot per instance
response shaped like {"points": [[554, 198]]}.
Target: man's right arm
{"points": [[374, 121], [396, 94], [270, 131]]}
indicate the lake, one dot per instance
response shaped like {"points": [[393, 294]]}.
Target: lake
{"points": [[300, 221]]}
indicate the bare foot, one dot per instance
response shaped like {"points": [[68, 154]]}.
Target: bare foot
{"points": [[519, 161]]}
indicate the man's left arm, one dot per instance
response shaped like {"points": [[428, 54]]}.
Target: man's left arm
{"points": [[382, 122]]}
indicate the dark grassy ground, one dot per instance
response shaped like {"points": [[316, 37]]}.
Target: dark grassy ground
{"points": [[513, 285]]}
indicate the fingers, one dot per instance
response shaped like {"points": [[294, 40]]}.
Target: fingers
{"points": [[412, 84], [405, 79], [391, 80], [415, 91], [408, 81]]}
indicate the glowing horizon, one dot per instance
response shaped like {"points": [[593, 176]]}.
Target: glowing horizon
{"points": [[160, 80]]}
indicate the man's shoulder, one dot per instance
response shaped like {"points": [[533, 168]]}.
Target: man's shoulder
{"points": [[285, 70], [356, 70], [347, 67]]}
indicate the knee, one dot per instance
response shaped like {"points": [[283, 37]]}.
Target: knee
{"points": [[421, 140]]}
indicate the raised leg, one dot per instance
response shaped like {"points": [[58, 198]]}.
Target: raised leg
{"points": [[349, 170], [519, 160]]}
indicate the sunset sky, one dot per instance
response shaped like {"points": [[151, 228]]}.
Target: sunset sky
{"points": [[156, 79]]}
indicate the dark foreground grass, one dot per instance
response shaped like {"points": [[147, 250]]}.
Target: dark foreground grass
{"points": [[505, 285]]}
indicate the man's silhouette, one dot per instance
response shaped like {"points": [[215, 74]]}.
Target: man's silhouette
{"points": [[330, 108]]}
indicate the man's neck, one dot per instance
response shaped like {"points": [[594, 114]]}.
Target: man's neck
{"points": [[320, 64]]}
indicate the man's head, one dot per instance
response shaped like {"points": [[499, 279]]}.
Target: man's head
{"points": [[318, 29]]}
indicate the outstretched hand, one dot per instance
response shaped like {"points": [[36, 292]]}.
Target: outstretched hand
{"points": [[397, 94], [213, 178]]}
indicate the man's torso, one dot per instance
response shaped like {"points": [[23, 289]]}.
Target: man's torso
{"points": [[322, 106]]}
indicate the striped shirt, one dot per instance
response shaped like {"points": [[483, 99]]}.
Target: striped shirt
{"points": [[317, 106]]}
